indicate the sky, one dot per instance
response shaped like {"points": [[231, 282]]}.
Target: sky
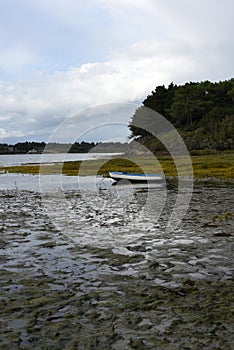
{"points": [[59, 58]]}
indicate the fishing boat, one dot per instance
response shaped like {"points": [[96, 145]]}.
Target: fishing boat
{"points": [[135, 177]]}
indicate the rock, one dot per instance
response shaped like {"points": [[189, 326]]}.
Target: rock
{"points": [[137, 248], [222, 234], [137, 343]]}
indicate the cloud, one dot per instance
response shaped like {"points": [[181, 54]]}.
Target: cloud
{"points": [[66, 56], [45, 100], [4, 134], [57, 34]]}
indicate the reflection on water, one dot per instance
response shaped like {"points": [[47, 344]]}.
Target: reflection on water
{"points": [[18, 159]]}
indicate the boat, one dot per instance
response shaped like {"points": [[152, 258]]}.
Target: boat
{"points": [[135, 177]]}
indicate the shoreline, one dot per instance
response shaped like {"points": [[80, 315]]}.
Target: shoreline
{"points": [[204, 166]]}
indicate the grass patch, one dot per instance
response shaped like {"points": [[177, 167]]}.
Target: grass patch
{"points": [[220, 166]]}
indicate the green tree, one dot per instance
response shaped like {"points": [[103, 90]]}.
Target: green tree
{"points": [[202, 111]]}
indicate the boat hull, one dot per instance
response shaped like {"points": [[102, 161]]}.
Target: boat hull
{"points": [[136, 178]]}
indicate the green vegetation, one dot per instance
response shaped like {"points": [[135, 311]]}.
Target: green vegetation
{"points": [[202, 112], [214, 165], [221, 166]]}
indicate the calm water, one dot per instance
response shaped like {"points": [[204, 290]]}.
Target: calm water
{"points": [[18, 159]]}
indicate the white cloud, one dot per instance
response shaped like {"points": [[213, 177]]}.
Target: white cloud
{"points": [[5, 134], [46, 99], [139, 43], [4, 117]]}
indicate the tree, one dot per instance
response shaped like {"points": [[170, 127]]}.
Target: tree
{"points": [[200, 110]]}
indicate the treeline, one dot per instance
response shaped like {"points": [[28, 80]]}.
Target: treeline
{"points": [[203, 113], [77, 147], [22, 147]]}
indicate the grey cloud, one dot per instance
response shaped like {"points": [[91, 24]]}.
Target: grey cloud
{"points": [[136, 48]]}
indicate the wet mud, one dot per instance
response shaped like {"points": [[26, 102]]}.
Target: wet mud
{"points": [[140, 287]]}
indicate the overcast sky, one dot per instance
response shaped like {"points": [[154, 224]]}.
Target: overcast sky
{"points": [[59, 57]]}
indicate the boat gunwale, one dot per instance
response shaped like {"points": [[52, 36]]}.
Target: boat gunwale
{"points": [[133, 174], [117, 175]]}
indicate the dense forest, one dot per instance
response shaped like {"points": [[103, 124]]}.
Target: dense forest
{"points": [[202, 112]]}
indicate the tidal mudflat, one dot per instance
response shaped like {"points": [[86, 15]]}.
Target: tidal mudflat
{"points": [[117, 281]]}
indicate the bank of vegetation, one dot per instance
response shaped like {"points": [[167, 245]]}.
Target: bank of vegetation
{"points": [[76, 147], [202, 112], [206, 166]]}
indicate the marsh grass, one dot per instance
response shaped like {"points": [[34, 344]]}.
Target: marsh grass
{"points": [[214, 165], [218, 165], [226, 217]]}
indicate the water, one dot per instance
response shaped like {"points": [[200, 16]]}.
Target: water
{"points": [[19, 159], [28, 182]]}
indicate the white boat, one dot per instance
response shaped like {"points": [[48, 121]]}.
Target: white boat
{"points": [[135, 177]]}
